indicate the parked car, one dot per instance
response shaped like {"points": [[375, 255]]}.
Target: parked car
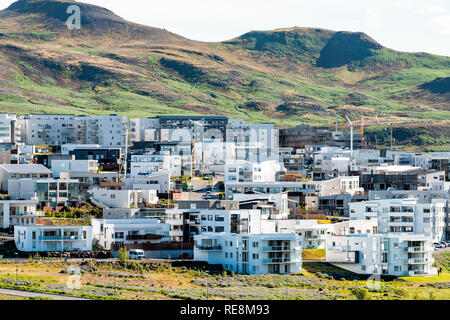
{"points": [[443, 243], [448, 243], [438, 245], [136, 254]]}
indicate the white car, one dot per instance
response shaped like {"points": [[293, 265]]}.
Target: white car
{"points": [[438, 245], [136, 254]]}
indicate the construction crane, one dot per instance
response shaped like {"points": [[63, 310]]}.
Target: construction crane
{"points": [[390, 123]]}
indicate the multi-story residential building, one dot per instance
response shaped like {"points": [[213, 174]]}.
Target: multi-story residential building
{"points": [[186, 223], [251, 253], [167, 128], [108, 158], [382, 254], [404, 216], [159, 181], [253, 142], [113, 233], [9, 128], [59, 166], [338, 185], [54, 192], [338, 204], [46, 159], [41, 129], [40, 238], [107, 131], [123, 198], [440, 161], [181, 150], [17, 213], [244, 171], [24, 171], [148, 164], [384, 177]]}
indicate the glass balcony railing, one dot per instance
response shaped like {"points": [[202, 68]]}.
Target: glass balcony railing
{"points": [[54, 238]]}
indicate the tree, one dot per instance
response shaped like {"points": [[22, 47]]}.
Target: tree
{"points": [[123, 254]]}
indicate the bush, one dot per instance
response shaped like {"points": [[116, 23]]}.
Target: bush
{"points": [[361, 293], [123, 254]]}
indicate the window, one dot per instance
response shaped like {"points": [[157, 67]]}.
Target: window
{"points": [[255, 244], [255, 256]]}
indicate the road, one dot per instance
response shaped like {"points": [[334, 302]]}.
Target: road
{"points": [[28, 294]]}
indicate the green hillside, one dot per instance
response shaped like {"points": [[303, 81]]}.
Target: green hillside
{"points": [[288, 76]]}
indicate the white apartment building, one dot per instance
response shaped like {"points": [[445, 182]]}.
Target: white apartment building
{"points": [[86, 166], [382, 254], [143, 129], [338, 185], [17, 213], [109, 232], [123, 198], [9, 128], [40, 238], [159, 181], [404, 216], [244, 171], [41, 129], [148, 164], [254, 142], [251, 253], [106, 131], [21, 171]]}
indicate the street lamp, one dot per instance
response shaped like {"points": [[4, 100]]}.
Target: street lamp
{"points": [[287, 288], [207, 285], [17, 266]]}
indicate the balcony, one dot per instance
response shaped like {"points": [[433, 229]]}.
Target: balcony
{"points": [[413, 273], [280, 260], [418, 249], [209, 248], [57, 238], [416, 261], [133, 237], [314, 237], [268, 249]]}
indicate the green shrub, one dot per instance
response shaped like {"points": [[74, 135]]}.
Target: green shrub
{"points": [[361, 293]]}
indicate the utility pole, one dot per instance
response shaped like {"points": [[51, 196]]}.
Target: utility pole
{"points": [[351, 136]]}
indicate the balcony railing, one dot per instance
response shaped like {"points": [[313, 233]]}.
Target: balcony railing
{"points": [[278, 249], [416, 261], [53, 238], [417, 249], [280, 260], [209, 248], [417, 273]]}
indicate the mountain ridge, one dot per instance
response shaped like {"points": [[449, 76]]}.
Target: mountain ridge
{"points": [[289, 76]]}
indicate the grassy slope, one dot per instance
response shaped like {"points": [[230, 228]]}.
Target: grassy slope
{"points": [[261, 76]]}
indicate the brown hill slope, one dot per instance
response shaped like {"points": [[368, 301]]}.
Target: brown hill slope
{"points": [[290, 76]]}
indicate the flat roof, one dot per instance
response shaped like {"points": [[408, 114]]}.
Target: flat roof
{"points": [[25, 168]]}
